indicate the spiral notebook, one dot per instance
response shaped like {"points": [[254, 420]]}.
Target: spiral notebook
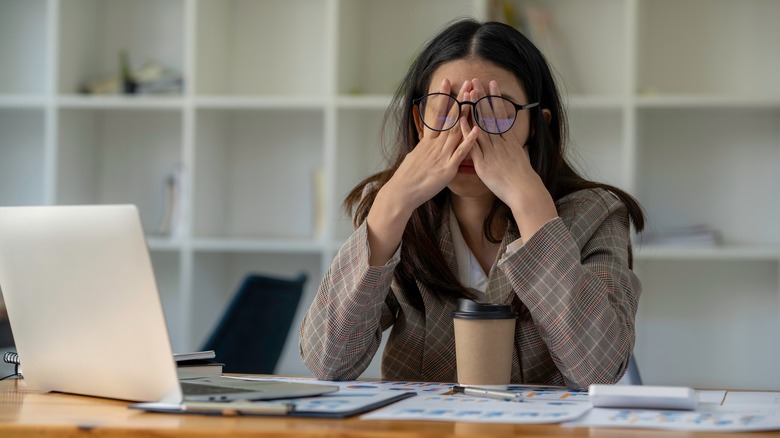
{"points": [[86, 314]]}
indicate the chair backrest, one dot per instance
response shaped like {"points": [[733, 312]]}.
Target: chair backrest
{"points": [[633, 376], [251, 334]]}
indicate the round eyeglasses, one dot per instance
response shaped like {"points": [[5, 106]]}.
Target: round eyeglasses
{"points": [[493, 114]]}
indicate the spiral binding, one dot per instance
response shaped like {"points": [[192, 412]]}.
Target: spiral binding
{"points": [[11, 357]]}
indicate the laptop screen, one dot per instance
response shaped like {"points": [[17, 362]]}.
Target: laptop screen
{"points": [[83, 303]]}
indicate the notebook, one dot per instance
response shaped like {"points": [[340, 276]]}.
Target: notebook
{"points": [[86, 314]]}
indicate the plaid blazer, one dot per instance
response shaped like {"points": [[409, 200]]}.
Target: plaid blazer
{"points": [[570, 283]]}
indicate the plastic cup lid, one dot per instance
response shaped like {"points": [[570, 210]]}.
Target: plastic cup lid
{"points": [[469, 309]]}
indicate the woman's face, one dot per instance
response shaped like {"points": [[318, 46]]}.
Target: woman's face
{"points": [[466, 182]]}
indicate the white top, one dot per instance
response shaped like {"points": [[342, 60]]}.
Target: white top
{"points": [[470, 272]]}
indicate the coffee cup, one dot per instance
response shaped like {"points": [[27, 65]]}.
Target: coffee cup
{"points": [[484, 341]]}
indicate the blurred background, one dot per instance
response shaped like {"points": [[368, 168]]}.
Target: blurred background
{"points": [[237, 127]]}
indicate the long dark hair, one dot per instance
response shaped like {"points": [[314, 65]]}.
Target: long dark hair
{"points": [[505, 47]]}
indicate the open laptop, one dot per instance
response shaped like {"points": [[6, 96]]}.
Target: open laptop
{"points": [[86, 315]]}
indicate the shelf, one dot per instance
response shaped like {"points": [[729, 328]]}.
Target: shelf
{"points": [[265, 102], [22, 101], [283, 246], [702, 101], [120, 102], [373, 102], [163, 244], [728, 252], [595, 102]]}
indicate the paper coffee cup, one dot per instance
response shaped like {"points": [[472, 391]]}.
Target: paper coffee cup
{"points": [[484, 341]]}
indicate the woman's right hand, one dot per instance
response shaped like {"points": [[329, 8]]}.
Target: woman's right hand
{"points": [[425, 171], [434, 162]]}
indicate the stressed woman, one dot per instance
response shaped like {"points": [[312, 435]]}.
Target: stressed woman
{"points": [[479, 201]]}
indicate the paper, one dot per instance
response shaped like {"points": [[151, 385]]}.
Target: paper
{"points": [[698, 421], [737, 398], [718, 410], [477, 409], [436, 401]]}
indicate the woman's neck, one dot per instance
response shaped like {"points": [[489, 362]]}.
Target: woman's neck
{"points": [[471, 214]]}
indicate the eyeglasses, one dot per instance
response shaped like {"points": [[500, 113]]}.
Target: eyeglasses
{"points": [[493, 114]]}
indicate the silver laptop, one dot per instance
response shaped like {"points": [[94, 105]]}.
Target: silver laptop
{"points": [[86, 314]]}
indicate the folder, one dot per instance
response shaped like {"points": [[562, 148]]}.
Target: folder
{"points": [[334, 405]]}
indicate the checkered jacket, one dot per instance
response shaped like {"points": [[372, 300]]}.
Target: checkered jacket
{"points": [[570, 283]]}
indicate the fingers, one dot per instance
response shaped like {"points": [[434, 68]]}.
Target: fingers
{"points": [[503, 117], [469, 143], [436, 111]]}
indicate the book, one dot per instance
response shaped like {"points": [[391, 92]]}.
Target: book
{"points": [[194, 355], [200, 367], [198, 362]]}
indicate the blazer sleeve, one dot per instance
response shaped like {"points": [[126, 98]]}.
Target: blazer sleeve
{"points": [[342, 329], [574, 277]]}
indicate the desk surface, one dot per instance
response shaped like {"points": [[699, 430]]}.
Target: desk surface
{"points": [[28, 412]]}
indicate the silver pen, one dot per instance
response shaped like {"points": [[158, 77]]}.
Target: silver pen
{"points": [[496, 394]]}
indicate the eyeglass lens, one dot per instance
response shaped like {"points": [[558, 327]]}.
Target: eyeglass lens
{"points": [[493, 114]]}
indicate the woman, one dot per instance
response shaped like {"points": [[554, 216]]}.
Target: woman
{"points": [[480, 202]]}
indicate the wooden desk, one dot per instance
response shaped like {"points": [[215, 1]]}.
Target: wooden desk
{"points": [[26, 412]]}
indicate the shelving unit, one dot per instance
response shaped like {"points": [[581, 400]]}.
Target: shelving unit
{"points": [[676, 101]]}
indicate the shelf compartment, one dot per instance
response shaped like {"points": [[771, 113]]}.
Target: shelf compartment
{"points": [[217, 276], [23, 47], [710, 47], [255, 173], [119, 156], [271, 47], [94, 32], [378, 39], [715, 167], [596, 146], [591, 66], [701, 321], [359, 155], [167, 265], [22, 157]]}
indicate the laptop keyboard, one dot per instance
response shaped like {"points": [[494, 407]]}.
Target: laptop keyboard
{"points": [[196, 389]]}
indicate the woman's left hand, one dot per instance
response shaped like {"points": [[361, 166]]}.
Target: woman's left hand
{"points": [[503, 164]]}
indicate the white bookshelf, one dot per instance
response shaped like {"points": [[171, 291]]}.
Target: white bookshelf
{"points": [[676, 101]]}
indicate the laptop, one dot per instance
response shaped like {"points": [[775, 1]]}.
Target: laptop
{"points": [[86, 314]]}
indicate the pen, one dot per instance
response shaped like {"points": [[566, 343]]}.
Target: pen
{"points": [[238, 407], [497, 394]]}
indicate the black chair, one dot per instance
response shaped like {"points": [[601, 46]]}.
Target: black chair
{"points": [[251, 334], [634, 378]]}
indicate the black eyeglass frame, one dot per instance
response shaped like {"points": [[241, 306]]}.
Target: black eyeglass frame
{"points": [[417, 102]]}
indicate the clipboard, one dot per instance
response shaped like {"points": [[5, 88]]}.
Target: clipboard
{"points": [[334, 405]]}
